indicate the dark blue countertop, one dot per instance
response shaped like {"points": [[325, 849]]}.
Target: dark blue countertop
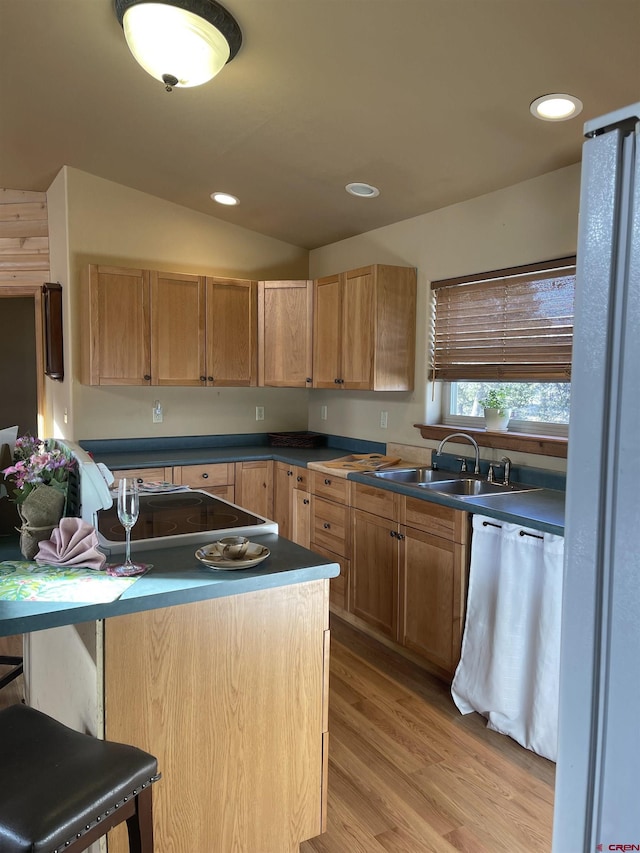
{"points": [[542, 509], [177, 577]]}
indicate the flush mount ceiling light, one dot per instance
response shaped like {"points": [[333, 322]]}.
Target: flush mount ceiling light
{"points": [[362, 190], [179, 42], [556, 107], [225, 198]]}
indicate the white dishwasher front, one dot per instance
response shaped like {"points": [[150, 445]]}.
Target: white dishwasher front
{"points": [[509, 669]]}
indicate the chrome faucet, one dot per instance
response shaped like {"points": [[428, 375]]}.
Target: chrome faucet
{"points": [[476, 469], [507, 469]]}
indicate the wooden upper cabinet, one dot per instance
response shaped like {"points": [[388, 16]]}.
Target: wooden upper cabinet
{"points": [[231, 332], [177, 329], [327, 331], [116, 345], [365, 328], [285, 333]]}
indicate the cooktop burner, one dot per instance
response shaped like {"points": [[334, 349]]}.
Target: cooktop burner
{"points": [[190, 516]]}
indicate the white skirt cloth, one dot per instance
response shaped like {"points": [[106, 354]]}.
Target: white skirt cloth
{"points": [[509, 669]]}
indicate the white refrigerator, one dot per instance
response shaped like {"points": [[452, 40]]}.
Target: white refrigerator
{"points": [[596, 804]]}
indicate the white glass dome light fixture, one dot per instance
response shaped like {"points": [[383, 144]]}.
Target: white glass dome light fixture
{"points": [[556, 107], [182, 43]]}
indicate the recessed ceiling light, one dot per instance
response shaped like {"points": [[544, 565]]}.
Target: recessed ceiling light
{"points": [[362, 190], [556, 107], [225, 198]]}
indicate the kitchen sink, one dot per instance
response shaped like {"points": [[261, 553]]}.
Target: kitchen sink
{"points": [[413, 476], [469, 487]]}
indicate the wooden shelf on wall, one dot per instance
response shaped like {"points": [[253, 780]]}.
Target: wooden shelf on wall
{"points": [[545, 445]]}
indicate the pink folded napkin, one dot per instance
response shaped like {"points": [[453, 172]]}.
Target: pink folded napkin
{"points": [[72, 543]]}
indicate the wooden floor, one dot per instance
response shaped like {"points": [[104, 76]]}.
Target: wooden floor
{"points": [[408, 773]]}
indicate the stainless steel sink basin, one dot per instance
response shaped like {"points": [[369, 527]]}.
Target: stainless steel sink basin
{"points": [[468, 487], [413, 476]]}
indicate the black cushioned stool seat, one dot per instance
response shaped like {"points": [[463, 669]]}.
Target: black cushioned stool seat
{"points": [[61, 790]]}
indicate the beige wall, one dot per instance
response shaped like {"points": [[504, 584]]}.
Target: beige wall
{"points": [[97, 221], [527, 222]]}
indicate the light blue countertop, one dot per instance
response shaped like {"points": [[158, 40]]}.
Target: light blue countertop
{"points": [[177, 577]]}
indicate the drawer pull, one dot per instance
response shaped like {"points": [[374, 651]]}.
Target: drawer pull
{"points": [[299, 478], [327, 482], [139, 480], [326, 525], [305, 500], [205, 476], [289, 473]]}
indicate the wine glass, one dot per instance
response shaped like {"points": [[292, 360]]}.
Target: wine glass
{"points": [[128, 515]]}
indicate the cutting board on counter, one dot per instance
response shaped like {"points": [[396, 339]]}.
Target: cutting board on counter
{"points": [[355, 462]]}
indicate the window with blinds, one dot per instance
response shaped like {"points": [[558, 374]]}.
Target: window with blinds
{"points": [[512, 324]]}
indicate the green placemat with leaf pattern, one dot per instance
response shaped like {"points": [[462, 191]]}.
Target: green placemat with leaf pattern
{"points": [[27, 581]]}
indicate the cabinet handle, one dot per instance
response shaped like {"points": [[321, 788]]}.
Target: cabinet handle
{"points": [[139, 480], [327, 482], [392, 533], [205, 476], [299, 479], [203, 379], [305, 500], [209, 378], [326, 525], [289, 473], [309, 380], [400, 536], [337, 381], [147, 377]]}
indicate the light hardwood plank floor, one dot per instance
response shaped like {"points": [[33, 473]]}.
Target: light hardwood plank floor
{"points": [[408, 773]]}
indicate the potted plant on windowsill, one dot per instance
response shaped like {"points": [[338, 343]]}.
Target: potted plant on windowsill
{"points": [[497, 409]]}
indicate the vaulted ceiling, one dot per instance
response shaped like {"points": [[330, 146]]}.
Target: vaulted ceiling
{"points": [[426, 99]]}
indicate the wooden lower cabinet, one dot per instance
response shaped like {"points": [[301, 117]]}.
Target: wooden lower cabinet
{"points": [[216, 479], [374, 572], [240, 735], [301, 518], [254, 486], [287, 480], [432, 572], [408, 574]]}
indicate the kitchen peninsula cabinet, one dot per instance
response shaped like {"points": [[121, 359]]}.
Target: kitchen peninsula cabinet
{"points": [[285, 333], [364, 329]]}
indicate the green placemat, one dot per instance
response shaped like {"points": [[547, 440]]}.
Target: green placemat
{"points": [[28, 581]]}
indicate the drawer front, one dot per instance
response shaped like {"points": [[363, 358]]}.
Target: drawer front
{"points": [[206, 476], [376, 501], [453, 524], [330, 487], [330, 526], [146, 474], [301, 478]]}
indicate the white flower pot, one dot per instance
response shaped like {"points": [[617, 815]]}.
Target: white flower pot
{"points": [[497, 420]]}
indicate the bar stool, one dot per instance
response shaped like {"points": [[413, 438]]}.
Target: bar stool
{"points": [[13, 661], [61, 790]]}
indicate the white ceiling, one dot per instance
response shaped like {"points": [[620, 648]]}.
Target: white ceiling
{"points": [[426, 99]]}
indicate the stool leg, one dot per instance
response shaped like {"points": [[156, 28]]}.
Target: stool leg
{"points": [[140, 824]]}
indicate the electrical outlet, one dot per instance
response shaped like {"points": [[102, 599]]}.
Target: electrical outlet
{"points": [[259, 413], [158, 414], [323, 413], [383, 419]]}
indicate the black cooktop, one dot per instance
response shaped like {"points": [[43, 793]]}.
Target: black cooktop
{"points": [[175, 514]]}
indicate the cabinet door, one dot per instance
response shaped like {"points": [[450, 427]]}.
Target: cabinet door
{"points": [[285, 333], [327, 331], [177, 329], [282, 498], [432, 597], [301, 518], [254, 487], [116, 333], [231, 332], [358, 298], [374, 572]]}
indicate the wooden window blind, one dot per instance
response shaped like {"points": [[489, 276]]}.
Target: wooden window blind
{"points": [[512, 324]]}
